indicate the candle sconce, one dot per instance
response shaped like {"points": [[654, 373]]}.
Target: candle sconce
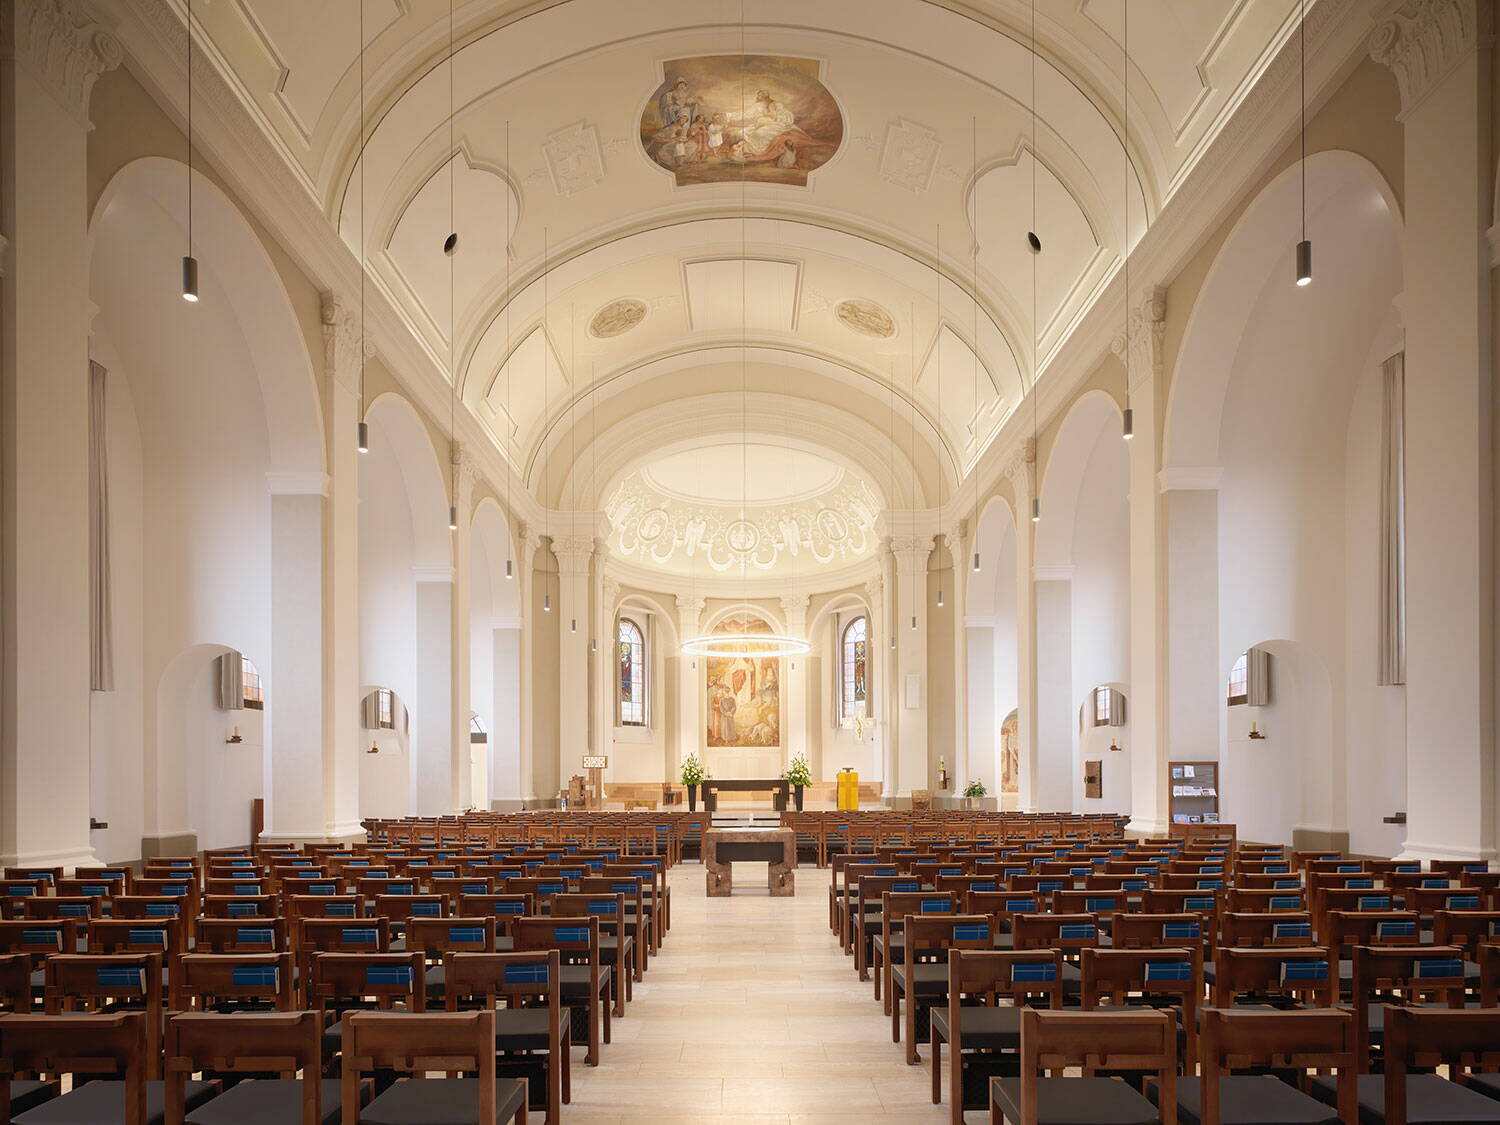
{"points": [[235, 737], [1255, 732]]}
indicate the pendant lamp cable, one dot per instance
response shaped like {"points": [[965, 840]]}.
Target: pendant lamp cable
{"points": [[1128, 420], [1036, 249], [974, 371], [363, 429], [937, 453], [546, 410], [451, 246], [573, 454], [189, 263], [1304, 247], [510, 468]]}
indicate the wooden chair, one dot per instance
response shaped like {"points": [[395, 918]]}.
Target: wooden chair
{"points": [[616, 947], [922, 979], [1114, 977], [253, 1043], [1091, 1041], [584, 981], [339, 984], [417, 1044], [1467, 1042], [635, 921], [434, 938], [533, 1036], [87, 982], [986, 1034], [1286, 977], [113, 1045], [231, 981], [242, 935], [1387, 976], [15, 982]]}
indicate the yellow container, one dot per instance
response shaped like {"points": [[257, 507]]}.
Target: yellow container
{"points": [[848, 794]]}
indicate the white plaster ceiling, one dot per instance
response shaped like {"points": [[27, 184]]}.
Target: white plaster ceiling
{"points": [[921, 211]]}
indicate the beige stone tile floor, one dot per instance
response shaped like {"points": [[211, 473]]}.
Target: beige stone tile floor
{"points": [[751, 1015]]}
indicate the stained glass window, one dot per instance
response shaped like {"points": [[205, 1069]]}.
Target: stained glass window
{"points": [[854, 668], [632, 674]]}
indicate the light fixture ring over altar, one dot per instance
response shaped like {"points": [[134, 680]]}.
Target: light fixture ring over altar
{"points": [[756, 645]]}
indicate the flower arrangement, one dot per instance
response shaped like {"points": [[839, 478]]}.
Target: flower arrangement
{"points": [[799, 772], [975, 789], [693, 772]]}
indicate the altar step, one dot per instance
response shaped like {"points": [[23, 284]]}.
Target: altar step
{"points": [[746, 819]]}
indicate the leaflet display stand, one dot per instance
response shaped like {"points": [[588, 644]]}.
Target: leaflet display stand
{"points": [[1194, 792]]}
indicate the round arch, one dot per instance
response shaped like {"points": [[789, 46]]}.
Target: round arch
{"points": [[396, 425]]}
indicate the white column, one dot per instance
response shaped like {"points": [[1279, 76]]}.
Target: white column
{"points": [[462, 476], [341, 758], [47, 72], [526, 575], [573, 557], [1148, 743], [1440, 51], [882, 689], [1056, 719], [606, 662], [911, 555], [1021, 471], [794, 682], [959, 548], [295, 809], [1194, 715], [691, 729], [432, 788]]}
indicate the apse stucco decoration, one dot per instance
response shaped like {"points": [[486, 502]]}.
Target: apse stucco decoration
{"points": [[617, 318], [651, 527], [865, 317], [726, 118]]}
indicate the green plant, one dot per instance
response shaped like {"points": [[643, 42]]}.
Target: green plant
{"points": [[975, 789], [693, 772], [799, 772]]}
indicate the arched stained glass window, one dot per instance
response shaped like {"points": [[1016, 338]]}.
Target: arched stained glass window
{"points": [[632, 674], [854, 651]]}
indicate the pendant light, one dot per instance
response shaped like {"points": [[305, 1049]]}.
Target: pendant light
{"points": [[892, 434], [363, 444], [1127, 420], [546, 472], [1035, 243], [190, 263], [1304, 248], [573, 449], [450, 244]]}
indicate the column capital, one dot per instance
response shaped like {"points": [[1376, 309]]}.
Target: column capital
{"points": [[573, 553], [611, 590], [467, 472], [911, 552], [1422, 40], [795, 608], [873, 589], [1139, 343], [56, 41], [341, 342]]}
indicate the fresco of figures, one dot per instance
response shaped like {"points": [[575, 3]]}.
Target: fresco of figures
{"points": [[744, 693], [727, 118]]}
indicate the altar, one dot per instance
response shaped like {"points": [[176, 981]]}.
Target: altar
{"points": [[780, 789], [775, 847]]}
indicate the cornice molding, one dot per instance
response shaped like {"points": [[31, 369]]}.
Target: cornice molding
{"points": [[1423, 40], [297, 484], [57, 42], [1190, 479], [432, 573], [1056, 573]]}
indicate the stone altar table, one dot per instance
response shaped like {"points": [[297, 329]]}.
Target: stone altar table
{"points": [[775, 847]]}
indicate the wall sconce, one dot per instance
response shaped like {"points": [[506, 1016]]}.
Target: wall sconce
{"points": [[1113, 745], [1255, 731], [235, 737]]}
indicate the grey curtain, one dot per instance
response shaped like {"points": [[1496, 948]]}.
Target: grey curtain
{"points": [[1116, 708], [229, 682], [101, 634], [1393, 523], [1258, 677]]}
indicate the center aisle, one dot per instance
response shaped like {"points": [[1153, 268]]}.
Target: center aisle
{"points": [[751, 1014]]}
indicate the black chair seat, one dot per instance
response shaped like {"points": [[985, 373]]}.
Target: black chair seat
{"points": [[1430, 1100], [1251, 1100], [931, 978], [28, 1093], [983, 1028], [267, 1101], [524, 1029], [1077, 1101], [103, 1103], [573, 981], [1208, 972], [1486, 1084], [441, 1101]]}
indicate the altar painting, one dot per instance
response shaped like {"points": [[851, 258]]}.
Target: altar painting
{"points": [[1010, 754], [744, 693], [726, 118]]}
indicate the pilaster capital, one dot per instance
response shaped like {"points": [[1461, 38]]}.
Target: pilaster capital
{"points": [[911, 553], [573, 553], [56, 41], [466, 471], [341, 342], [528, 538], [1422, 40], [795, 608], [689, 613], [873, 589], [1139, 344], [1020, 470], [611, 591]]}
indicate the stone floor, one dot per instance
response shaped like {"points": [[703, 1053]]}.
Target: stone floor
{"points": [[751, 1015]]}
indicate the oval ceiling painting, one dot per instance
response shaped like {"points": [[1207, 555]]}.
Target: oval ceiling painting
{"points": [[725, 118]]}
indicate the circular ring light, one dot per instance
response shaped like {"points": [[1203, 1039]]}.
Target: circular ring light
{"points": [[755, 645]]}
